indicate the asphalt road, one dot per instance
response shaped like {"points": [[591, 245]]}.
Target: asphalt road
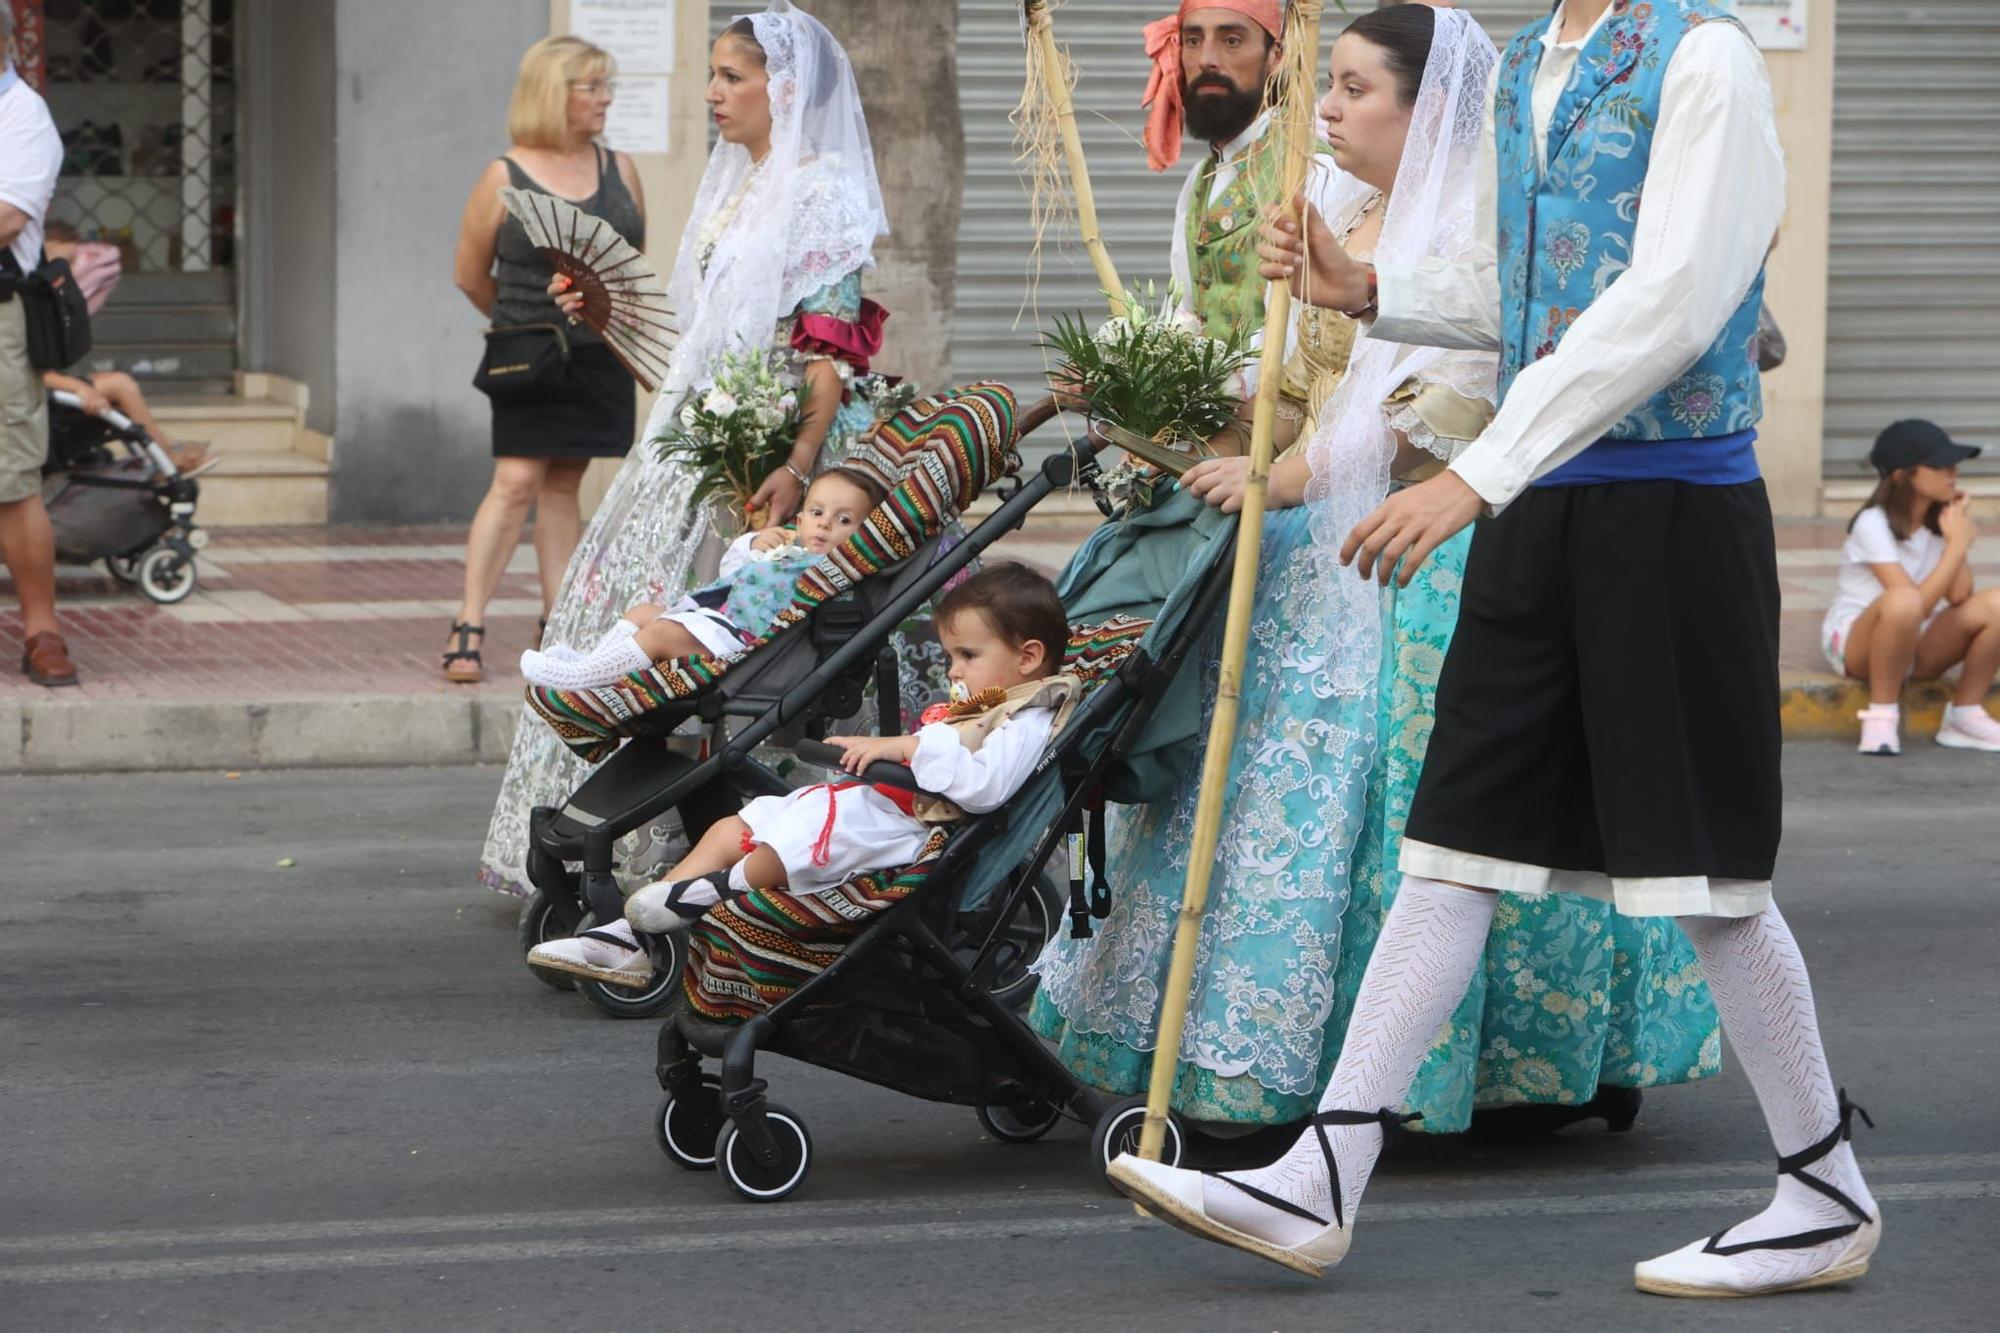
{"points": [[237, 1093]]}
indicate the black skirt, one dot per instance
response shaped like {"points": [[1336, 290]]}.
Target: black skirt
{"points": [[1610, 699], [589, 417]]}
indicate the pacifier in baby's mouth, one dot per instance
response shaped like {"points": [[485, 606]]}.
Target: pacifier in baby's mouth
{"points": [[960, 692]]}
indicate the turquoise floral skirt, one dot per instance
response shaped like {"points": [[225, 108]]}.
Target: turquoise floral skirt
{"points": [[1571, 995]]}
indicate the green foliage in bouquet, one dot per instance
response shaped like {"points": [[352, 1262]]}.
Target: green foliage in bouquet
{"points": [[737, 431], [1154, 373]]}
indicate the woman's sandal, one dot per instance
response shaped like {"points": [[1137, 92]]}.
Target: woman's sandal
{"points": [[462, 665]]}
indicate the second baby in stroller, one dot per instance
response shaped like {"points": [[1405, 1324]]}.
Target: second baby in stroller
{"points": [[1004, 631], [757, 575]]}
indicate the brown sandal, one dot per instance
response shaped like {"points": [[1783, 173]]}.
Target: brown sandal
{"points": [[462, 665]]}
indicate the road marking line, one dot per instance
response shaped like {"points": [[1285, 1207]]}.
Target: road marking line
{"points": [[575, 1219], [1110, 1220]]}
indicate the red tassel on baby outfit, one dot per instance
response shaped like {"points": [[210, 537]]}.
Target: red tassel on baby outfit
{"points": [[822, 851]]}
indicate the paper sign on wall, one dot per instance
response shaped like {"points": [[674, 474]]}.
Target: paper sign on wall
{"points": [[1775, 25], [637, 120], [639, 35]]}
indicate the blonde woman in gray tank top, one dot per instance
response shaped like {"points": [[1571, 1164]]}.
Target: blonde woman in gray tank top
{"points": [[541, 447]]}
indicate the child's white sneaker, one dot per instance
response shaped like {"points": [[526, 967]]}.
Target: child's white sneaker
{"points": [[1879, 723], [609, 953], [1969, 727]]}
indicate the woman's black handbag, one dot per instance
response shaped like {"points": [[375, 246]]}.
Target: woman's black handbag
{"points": [[53, 306], [523, 362]]}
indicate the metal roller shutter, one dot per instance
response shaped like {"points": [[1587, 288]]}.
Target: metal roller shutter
{"points": [[994, 335], [997, 323], [1913, 326]]}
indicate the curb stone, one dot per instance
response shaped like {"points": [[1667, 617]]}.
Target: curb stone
{"points": [[136, 735], [1821, 706], [359, 730]]}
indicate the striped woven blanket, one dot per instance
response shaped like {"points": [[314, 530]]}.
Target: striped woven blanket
{"points": [[934, 457]]}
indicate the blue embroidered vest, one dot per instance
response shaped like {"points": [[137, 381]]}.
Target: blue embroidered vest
{"points": [[1566, 234]]}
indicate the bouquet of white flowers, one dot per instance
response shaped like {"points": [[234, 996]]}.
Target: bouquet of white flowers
{"points": [[1154, 374], [885, 395], [737, 431]]}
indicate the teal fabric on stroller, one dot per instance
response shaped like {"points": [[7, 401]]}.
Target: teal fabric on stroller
{"points": [[1139, 565]]}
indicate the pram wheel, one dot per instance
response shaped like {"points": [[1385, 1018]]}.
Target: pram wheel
{"points": [[538, 925], [686, 1130], [165, 575], [753, 1179], [1118, 1132], [627, 1002], [1019, 1124], [1034, 921], [124, 568]]}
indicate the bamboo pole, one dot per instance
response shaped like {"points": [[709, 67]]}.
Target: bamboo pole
{"points": [[1293, 125], [1042, 50]]}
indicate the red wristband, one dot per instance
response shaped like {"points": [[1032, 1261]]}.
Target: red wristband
{"points": [[1370, 307]]}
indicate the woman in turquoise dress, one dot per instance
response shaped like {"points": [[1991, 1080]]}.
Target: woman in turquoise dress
{"points": [[1335, 714]]}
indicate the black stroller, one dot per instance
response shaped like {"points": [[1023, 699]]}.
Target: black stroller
{"points": [[908, 1002], [812, 669], [113, 494]]}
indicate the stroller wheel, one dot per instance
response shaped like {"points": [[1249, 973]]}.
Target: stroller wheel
{"points": [[756, 1181], [1019, 1124], [124, 568], [686, 1130], [1118, 1132], [538, 925], [165, 575], [624, 1001], [1033, 921]]}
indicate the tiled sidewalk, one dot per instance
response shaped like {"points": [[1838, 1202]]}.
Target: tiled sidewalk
{"points": [[300, 613], [291, 611]]}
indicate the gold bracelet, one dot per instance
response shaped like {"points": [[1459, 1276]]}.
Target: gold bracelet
{"points": [[797, 475]]}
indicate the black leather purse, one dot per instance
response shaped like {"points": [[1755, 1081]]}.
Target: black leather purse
{"points": [[55, 311], [523, 362]]}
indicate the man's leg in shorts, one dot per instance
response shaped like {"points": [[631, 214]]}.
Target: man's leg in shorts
{"points": [[27, 542], [1505, 772]]}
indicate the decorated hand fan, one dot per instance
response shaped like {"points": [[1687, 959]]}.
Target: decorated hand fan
{"points": [[623, 301]]}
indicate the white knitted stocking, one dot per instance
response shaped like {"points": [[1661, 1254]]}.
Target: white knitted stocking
{"points": [[1765, 999], [1431, 942]]}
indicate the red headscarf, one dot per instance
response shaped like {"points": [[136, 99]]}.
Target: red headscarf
{"points": [[1163, 90]]}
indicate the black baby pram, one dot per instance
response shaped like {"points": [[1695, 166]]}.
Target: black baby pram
{"points": [[681, 736], [113, 494], [903, 997]]}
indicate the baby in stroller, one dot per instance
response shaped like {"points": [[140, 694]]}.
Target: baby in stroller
{"points": [[1004, 631], [722, 617]]}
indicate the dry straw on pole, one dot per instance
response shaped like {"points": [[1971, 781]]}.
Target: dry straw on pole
{"points": [[1045, 124], [1293, 126]]}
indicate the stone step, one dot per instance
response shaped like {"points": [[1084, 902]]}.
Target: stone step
{"points": [[162, 364], [1842, 492], [264, 490], [231, 425]]}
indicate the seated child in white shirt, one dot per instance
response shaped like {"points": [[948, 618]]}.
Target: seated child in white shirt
{"points": [[1005, 633], [1905, 604], [722, 617]]}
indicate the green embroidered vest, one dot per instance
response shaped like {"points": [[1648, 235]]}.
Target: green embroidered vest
{"points": [[1222, 242]]}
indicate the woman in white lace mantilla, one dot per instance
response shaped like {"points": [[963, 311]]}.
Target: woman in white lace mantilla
{"points": [[1336, 709], [784, 222]]}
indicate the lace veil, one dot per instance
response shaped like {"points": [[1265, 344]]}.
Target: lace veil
{"points": [[1431, 215], [802, 219]]}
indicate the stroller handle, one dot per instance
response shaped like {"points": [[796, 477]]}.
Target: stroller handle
{"points": [[821, 754], [111, 415]]}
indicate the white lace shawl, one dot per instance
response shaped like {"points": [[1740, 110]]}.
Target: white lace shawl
{"points": [[1431, 214], [803, 218]]}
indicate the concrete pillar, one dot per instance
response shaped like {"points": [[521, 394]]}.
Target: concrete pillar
{"points": [[669, 179], [1790, 440]]}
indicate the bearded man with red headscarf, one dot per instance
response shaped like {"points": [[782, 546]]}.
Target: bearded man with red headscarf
{"points": [[1211, 63]]}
